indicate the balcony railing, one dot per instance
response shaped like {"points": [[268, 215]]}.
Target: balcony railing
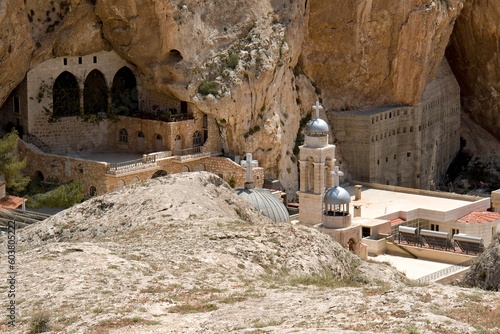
{"points": [[132, 165], [159, 116]]}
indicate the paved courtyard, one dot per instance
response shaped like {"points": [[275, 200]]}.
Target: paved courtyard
{"points": [[413, 268]]}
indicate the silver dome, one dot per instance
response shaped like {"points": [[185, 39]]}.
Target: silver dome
{"points": [[337, 196], [316, 128], [268, 204]]}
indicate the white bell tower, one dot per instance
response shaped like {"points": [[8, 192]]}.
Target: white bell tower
{"points": [[316, 161]]}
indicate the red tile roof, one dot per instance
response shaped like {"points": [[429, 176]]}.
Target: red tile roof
{"points": [[11, 202], [479, 217], [397, 221]]}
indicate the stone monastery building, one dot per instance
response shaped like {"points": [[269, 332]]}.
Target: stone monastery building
{"points": [[88, 117], [404, 146]]}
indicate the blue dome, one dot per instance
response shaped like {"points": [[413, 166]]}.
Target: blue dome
{"points": [[268, 204], [337, 196], [316, 128]]}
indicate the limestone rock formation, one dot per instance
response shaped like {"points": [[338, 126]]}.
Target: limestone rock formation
{"points": [[474, 56], [485, 272], [376, 53], [16, 45]]}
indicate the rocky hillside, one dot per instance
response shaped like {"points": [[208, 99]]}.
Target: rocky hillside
{"points": [[184, 254], [485, 273], [269, 59]]}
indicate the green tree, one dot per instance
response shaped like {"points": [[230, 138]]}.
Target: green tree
{"points": [[10, 165]]}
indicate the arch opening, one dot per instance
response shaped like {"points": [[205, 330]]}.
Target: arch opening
{"points": [[95, 93], [66, 95], [124, 93]]}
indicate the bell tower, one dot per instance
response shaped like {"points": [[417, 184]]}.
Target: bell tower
{"points": [[316, 161]]}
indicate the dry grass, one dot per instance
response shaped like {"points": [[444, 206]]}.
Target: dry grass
{"points": [[485, 318]]}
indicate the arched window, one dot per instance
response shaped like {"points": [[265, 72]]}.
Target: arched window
{"points": [[124, 92], [95, 93], [196, 139], [140, 134], [66, 95], [123, 136], [92, 191], [159, 143]]}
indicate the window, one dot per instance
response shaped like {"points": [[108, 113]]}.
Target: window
{"points": [[434, 227], [184, 107], [92, 191], [123, 136], [65, 61], [80, 60], [17, 104], [378, 162], [455, 231], [205, 121], [386, 159], [95, 59], [196, 139], [394, 156], [408, 154]]}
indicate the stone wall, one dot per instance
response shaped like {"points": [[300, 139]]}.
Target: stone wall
{"points": [[406, 146], [96, 174]]}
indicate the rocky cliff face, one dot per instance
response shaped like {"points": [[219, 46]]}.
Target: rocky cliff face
{"points": [[474, 56], [375, 53], [268, 60], [485, 273]]}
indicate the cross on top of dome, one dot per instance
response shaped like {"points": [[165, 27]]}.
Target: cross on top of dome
{"points": [[317, 107], [249, 164], [336, 174]]}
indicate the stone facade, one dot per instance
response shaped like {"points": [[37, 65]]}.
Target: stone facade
{"points": [[405, 146]]}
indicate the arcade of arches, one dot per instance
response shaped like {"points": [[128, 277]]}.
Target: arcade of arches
{"points": [[123, 99]]}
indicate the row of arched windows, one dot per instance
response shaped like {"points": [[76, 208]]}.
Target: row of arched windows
{"points": [[96, 95]]}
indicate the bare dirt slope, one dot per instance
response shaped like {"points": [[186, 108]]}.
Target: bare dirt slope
{"points": [[184, 254]]}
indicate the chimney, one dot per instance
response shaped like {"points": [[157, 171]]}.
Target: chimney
{"points": [[357, 192], [357, 210]]}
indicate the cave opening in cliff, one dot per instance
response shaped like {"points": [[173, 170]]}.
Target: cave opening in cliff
{"points": [[124, 93], [95, 93], [66, 95], [174, 56]]}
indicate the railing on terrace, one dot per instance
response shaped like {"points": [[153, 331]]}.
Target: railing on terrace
{"points": [[32, 139], [188, 151], [162, 117], [160, 155], [446, 271], [132, 164]]}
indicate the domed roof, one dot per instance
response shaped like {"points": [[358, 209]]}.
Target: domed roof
{"points": [[268, 204], [316, 128], [337, 196]]}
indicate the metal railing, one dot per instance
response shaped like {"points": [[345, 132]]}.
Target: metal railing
{"points": [[188, 151], [126, 166], [32, 139], [446, 271]]}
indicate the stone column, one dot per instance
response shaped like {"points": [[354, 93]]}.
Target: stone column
{"points": [[319, 177], [303, 175]]}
